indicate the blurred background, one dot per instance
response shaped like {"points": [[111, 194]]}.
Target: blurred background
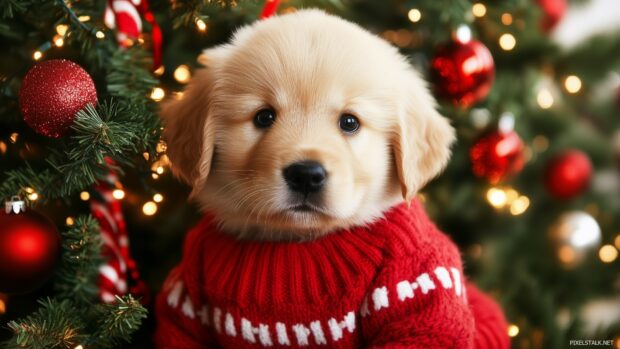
{"points": [[531, 195]]}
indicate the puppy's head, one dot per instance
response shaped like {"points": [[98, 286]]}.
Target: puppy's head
{"points": [[302, 124]]}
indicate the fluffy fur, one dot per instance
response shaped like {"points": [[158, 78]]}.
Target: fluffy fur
{"points": [[310, 67]]}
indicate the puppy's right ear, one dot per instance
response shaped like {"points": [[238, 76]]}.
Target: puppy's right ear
{"points": [[189, 130]]}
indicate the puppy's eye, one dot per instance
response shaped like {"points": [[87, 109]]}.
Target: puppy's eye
{"points": [[349, 123], [264, 118]]}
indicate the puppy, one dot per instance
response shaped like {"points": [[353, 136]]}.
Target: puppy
{"points": [[305, 140]]}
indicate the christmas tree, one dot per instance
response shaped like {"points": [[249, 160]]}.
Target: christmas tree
{"points": [[95, 220]]}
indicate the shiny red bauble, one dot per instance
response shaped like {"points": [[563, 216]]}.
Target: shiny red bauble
{"points": [[568, 174], [553, 11], [52, 92], [463, 72], [497, 155], [29, 251]]}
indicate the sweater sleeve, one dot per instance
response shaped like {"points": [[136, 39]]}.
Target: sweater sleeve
{"points": [[419, 303], [180, 311]]}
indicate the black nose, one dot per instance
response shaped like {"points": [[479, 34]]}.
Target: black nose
{"points": [[305, 176]]}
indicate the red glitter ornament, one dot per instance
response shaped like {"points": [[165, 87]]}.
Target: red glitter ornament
{"points": [[29, 248], [553, 12], [568, 174], [52, 92], [463, 72], [497, 155]]}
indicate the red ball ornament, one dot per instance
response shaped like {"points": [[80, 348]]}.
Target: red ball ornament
{"points": [[463, 72], [568, 174], [29, 248], [497, 155], [52, 92], [553, 12]]}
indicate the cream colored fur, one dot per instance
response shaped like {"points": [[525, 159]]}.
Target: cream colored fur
{"points": [[310, 67]]}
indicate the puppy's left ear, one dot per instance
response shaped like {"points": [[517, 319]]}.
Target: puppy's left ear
{"points": [[422, 138]]}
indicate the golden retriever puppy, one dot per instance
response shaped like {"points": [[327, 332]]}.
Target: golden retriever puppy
{"points": [[308, 93], [304, 140]]}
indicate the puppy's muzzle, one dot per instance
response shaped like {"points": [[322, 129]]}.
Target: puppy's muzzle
{"points": [[305, 177]]}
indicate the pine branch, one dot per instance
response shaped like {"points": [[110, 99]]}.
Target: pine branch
{"points": [[9, 8], [186, 12], [127, 74], [118, 130], [56, 324], [74, 18], [118, 321], [77, 276]]}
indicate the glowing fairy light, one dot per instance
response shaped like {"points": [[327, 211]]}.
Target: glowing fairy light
{"points": [[608, 253], [479, 10], [182, 74], [84, 196], [572, 84], [149, 208], [157, 94], [118, 194], [414, 15], [545, 98], [507, 42]]}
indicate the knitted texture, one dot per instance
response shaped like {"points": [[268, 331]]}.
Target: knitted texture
{"points": [[396, 283]]}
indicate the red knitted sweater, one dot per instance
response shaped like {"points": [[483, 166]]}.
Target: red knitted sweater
{"points": [[396, 283]]}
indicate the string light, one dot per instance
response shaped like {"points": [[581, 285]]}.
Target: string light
{"points": [[414, 15], [158, 197], [497, 197], [99, 34], [58, 41], [519, 205], [161, 146], [84, 196], [158, 94], [608, 253], [37, 55], [2, 306], [572, 84], [545, 98], [479, 10], [149, 208], [160, 71], [511, 195], [182, 74], [507, 19], [617, 241], [69, 221], [201, 25], [513, 330], [61, 29], [118, 194], [14, 137], [155, 175], [84, 18], [159, 170], [31, 194], [3, 147], [507, 42], [566, 254], [79, 347]]}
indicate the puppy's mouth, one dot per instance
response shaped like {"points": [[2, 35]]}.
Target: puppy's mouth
{"points": [[306, 207]]}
